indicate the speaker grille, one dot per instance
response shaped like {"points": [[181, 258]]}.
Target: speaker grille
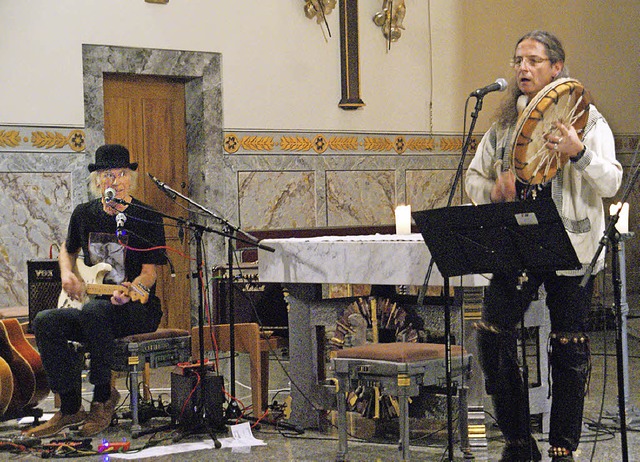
{"points": [[44, 286]]}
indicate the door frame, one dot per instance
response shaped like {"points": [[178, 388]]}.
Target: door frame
{"points": [[209, 176]]}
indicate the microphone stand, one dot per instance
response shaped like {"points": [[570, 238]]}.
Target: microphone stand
{"points": [[447, 310], [456, 180], [201, 410], [231, 232], [613, 239]]}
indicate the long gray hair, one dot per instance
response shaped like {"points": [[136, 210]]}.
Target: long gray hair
{"points": [[507, 113]]}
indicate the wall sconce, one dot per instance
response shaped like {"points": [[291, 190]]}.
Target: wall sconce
{"points": [[390, 19], [319, 9]]}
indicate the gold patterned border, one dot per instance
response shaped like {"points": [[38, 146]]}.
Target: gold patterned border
{"points": [[41, 138], [57, 139], [253, 143], [366, 143]]}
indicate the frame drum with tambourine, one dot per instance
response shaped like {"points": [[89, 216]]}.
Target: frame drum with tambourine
{"points": [[564, 100]]}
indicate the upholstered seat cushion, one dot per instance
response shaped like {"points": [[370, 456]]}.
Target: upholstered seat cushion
{"points": [[158, 334], [399, 352]]}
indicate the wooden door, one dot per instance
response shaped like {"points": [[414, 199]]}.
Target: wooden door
{"points": [[147, 114]]}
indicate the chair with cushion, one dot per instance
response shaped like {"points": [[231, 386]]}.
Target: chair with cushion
{"points": [[398, 369]]}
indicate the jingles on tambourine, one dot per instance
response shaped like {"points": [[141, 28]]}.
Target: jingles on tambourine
{"points": [[565, 101]]}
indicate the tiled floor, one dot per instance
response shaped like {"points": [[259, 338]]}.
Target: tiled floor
{"points": [[284, 445]]}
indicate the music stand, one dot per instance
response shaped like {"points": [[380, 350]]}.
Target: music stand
{"points": [[505, 237]]}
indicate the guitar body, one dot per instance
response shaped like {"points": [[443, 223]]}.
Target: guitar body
{"points": [[91, 275], [24, 382], [24, 348], [6, 386]]}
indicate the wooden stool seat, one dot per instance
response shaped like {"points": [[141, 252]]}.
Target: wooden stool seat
{"points": [[398, 369]]}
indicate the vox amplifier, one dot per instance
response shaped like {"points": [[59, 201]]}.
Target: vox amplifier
{"points": [[44, 286]]}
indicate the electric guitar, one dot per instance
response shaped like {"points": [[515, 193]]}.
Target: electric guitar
{"points": [[93, 277]]}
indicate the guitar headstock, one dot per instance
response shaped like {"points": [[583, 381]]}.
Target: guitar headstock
{"points": [[139, 293]]}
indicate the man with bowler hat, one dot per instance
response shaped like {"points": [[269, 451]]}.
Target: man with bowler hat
{"points": [[117, 229]]}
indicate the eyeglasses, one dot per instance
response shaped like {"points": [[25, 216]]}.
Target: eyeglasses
{"points": [[113, 175], [531, 61]]}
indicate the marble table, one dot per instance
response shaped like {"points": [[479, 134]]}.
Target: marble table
{"points": [[373, 259], [301, 264]]}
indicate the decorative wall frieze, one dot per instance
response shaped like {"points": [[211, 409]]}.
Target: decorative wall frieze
{"points": [[626, 144], [43, 138], [61, 139], [340, 143], [274, 142]]}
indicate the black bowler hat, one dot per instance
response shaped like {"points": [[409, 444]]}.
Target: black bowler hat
{"points": [[112, 156]]}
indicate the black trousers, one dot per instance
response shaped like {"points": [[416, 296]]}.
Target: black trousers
{"points": [[95, 326], [569, 354]]}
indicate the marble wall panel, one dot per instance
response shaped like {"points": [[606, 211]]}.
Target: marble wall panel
{"points": [[360, 197], [36, 212], [430, 189], [272, 200]]}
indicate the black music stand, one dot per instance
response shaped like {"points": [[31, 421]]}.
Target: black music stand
{"points": [[506, 237]]}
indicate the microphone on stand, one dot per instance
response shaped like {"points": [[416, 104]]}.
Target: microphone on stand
{"points": [[121, 218], [499, 85], [109, 194], [110, 197], [163, 187]]}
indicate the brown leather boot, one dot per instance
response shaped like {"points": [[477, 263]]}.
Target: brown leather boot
{"points": [[100, 415], [56, 424]]}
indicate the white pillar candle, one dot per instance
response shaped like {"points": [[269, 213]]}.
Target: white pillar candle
{"points": [[623, 219], [403, 219]]}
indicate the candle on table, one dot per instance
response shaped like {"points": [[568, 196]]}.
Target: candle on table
{"points": [[403, 219]]}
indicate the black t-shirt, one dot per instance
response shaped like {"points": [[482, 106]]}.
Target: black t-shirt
{"points": [[94, 231]]}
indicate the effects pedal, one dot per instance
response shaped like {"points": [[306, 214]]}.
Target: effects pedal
{"points": [[116, 446]]}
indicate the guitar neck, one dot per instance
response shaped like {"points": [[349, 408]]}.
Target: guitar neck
{"points": [[104, 289], [135, 292]]}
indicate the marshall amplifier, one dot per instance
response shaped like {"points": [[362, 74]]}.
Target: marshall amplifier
{"points": [[44, 286]]}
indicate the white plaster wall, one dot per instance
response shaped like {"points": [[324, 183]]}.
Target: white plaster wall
{"points": [[279, 72]]}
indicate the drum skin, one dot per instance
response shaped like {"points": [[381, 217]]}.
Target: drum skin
{"points": [[563, 100]]}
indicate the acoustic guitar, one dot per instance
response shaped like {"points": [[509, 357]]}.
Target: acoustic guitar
{"points": [[6, 386], [24, 382], [31, 355], [93, 277]]}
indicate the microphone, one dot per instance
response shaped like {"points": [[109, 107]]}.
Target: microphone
{"points": [[499, 85], [109, 194], [121, 218], [163, 187]]}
